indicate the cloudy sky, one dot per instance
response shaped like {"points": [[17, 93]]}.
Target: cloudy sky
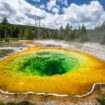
{"points": [[54, 13]]}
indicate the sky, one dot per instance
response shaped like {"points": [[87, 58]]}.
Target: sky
{"points": [[54, 13]]}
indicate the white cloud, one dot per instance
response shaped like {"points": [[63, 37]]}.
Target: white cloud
{"points": [[20, 12], [51, 4], [89, 15], [42, 6], [55, 10]]}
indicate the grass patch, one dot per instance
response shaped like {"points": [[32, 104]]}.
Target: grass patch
{"points": [[101, 101]]}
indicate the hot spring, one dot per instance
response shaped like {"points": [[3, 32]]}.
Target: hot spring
{"points": [[51, 70], [43, 64]]}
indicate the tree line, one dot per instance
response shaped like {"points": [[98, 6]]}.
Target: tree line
{"points": [[8, 30]]}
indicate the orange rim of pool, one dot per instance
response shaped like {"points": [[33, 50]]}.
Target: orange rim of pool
{"points": [[51, 71]]}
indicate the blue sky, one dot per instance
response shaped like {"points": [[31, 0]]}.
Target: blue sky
{"points": [[54, 13], [62, 3], [69, 2]]}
